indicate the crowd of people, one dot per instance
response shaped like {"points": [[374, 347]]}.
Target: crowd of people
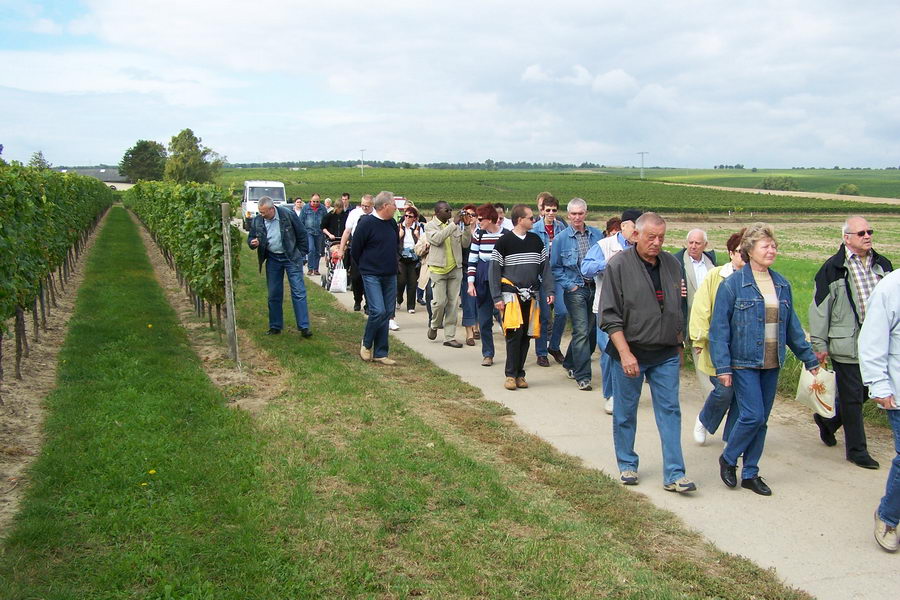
{"points": [[527, 275]]}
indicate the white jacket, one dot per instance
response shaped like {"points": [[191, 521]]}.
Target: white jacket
{"points": [[879, 340]]}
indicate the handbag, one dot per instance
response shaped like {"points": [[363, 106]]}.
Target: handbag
{"points": [[422, 246], [338, 279], [818, 391]]}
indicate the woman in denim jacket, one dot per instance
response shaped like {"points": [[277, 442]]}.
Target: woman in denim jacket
{"points": [[753, 319]]}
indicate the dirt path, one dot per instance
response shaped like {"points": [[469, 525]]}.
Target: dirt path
{"points": [[22, 412], [816, 529], [823, 195]]}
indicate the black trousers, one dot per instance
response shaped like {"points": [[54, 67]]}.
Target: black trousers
{"points": [[407, 278], [356, 282], [517, 342], [851, 395]]}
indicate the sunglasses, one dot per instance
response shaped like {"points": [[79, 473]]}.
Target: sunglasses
{"points": [[410, 215], [551, 210], [862, 233]]}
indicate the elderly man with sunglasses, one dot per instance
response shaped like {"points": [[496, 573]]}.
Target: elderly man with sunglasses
{"points": [[836, 314]]}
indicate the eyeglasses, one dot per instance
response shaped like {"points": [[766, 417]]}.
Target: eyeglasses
{"points": [[410, 215], [470, 214], [550, 210], [862, 233]]}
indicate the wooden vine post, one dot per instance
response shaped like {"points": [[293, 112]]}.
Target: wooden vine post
{"points": [[230, 321]]}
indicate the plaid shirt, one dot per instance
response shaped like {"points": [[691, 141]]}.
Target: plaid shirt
{"points": [[584, 244], [863, 279]]}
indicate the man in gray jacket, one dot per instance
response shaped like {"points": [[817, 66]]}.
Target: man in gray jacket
{"points": [[445, 264], [640, 310], [838, 309]]}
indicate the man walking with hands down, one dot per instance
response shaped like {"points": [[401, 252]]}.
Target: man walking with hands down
{"points": [[640, 310], [836, 314], [519, 274], [569, 249], [375, 251], [278, 236]]}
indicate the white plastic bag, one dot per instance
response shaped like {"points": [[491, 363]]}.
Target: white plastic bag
{"points": [[338, 280], [818, 392]]}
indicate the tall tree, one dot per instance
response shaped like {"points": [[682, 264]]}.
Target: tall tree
{"points": [[190, 161], [145, 160], [38, 161]]}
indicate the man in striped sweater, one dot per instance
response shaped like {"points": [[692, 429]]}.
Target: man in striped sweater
{"points": [[519, 272]]}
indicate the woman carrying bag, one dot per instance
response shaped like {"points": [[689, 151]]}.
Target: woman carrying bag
{"points": [[410, 231]]}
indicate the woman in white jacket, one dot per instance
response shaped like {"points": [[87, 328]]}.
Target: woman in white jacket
{"points": [[879, 363]]}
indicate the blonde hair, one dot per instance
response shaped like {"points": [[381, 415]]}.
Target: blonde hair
{"points": [[753, 234]]}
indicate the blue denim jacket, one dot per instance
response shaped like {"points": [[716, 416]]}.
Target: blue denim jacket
{"points": [[737, 329], [312, 219], [564, 256]]}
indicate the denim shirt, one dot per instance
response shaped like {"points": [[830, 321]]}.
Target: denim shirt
{"points": [[312, 219], [737, 329], [538, 230], [564, 256]]}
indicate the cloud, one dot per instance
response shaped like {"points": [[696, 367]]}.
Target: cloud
{"points": [[535, 73], [46, 27], [615, 83]]}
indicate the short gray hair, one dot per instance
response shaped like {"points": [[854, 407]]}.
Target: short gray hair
{"points": [[576, 202], [846, 227], [382, 199], [648, 218], [753, 234], [697, 230], [265, 201]]}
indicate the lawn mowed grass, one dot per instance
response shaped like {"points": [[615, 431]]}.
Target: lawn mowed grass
{"points": [[361, 481]]}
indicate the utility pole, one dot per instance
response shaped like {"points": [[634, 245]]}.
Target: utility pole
{"points": [[362, 171], [642, 162]]}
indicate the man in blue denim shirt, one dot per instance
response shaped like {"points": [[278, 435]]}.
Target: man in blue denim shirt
{"points": [[311, 215], [553, 319], [569, 249]]}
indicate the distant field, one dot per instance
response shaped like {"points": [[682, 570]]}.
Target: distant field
{"points": [[883, 183], [605, 194]]}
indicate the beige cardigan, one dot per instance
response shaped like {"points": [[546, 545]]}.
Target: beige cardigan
{"points": [[437, 235]]}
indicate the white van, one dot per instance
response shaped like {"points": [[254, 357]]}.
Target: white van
{"points": [[253, 191]]}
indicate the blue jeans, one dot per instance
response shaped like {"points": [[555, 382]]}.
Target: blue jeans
{"points": [[755, 393], [578, 356], [663, 379], [605, 363], [889, 509], [720, 400], [315, 250], [485, 306], [276, 266], [553, 334], [469, 310], [381, 295]]}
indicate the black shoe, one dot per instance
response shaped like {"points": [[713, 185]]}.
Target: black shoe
{"points": [[557, 356], [543, 362], [366, 309], [273, 331], [727, 472], [453, 344], [432, 333], [826, 434], [305, 332], [357, 307], [756, 485], [421, 301], [866, 462]]}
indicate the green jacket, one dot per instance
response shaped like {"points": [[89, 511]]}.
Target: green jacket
{"points": [[834, 321]]}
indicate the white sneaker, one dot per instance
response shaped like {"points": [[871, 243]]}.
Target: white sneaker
{"points": [[885, 535], [411, 311], [392, 325], [608, 407], [700, 432]]}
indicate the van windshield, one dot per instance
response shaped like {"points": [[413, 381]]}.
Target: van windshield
{"points": [[275, 193]]}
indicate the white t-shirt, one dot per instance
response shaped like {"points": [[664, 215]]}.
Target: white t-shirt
{"points": [[353, 218]]}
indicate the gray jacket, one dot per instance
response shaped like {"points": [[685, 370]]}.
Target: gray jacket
{"points": [[628, 301]]}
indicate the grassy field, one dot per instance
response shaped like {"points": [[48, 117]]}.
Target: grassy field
{"points": [[606, 195], [358, 482], [884, 183]]}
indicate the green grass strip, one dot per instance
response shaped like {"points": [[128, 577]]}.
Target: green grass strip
{"points": [[147, 486]]}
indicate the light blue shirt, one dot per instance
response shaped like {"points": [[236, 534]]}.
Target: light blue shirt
{"points": [[273, 234]]}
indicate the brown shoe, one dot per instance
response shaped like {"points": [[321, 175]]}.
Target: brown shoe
{"points": [[510, 383], [542, 361], [487, 361], [384, 360], [521, 383], [365, 353], [470, 341], [453, 344], [432, 334], [558, 356]]}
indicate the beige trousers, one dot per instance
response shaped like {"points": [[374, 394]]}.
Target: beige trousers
{"points": [[445, 301]]}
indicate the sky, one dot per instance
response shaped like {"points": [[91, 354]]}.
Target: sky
{"points": [[692, 83]]}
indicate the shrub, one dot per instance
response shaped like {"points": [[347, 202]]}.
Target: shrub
{"points": [[848, 189], [778, 183]]}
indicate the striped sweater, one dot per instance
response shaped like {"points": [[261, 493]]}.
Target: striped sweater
{"points": [[482, 246], [525, 262]]}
